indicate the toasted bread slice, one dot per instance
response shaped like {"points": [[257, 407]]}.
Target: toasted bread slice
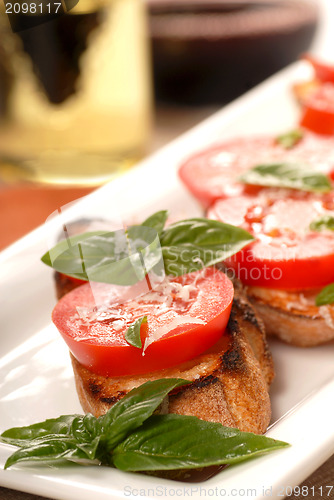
{"points": [[229, 383], [293, 316], [64, 284]]}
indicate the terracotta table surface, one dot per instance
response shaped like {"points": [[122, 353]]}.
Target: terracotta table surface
{"points": [[25, 206]]}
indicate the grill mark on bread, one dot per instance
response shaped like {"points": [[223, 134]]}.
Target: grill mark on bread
{"points": [[248, 313], [111, 400], [94, 388], [231, 360], [205, 381]]}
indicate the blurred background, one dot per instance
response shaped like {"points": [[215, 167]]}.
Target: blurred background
{"points": [[211, 51], [86, 95]]}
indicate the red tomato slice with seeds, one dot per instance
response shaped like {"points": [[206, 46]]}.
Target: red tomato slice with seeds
{"points": [[213, 173], [185, 317], [318, 110], [287, 254]]}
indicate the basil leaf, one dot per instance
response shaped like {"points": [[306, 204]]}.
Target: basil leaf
{"points": [[19, 436], [67, 244], [323, 223], [132, 335], [167, 442], [192, 244], [205, 233], [91, 450], [41, 440], [182, 260], [287, 175], [290, 139], [46, 449], [132, 410], [157, 221], [119, 257], [326, 296], [85, 428]]}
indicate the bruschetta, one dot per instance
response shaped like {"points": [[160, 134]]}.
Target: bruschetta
{"points": [[229, 381], [261, 185]]}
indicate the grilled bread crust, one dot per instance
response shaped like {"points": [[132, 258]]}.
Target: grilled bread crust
{"points": [[293, 316], [229, 383]]}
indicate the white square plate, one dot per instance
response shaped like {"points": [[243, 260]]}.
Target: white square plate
{"points": [[36, 380]]}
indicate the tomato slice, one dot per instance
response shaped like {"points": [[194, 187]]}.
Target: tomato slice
{"points": [[318, 110], [212, 174], [322, 71], [286, 254], [185, 316]]}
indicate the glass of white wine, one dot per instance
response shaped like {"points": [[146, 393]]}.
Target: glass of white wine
{"points": [[75, 94]]}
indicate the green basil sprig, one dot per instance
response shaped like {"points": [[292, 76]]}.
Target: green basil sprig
{"points": [[287, 175], [132, 335], [125, 257], [323, 223], [290, 139], [157, 221], [117, 257], [131, 438], [326, 296]]}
